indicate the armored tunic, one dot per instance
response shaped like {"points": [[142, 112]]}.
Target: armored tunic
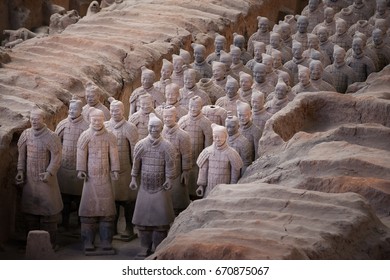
{"points": [[259, 118], [275, 105], [327, 48], [213, 57], [181, 141], [301, 38], [215, 114], [253, 133], [218, 165], [343, 40], [245, 56], [298, 88], [237, 68], [243, 148], [40, 151], [245, 95], [260, 37], [292, 65], [181, 111], [97, 156], [126, 136], [362, 66], [69, 131], [285, 51], [154, 161], [161, 84], [212, 90], [158, 98], [220, 83], [141, 120], [343, 76], [204, 69], [99, 106], [178, 78], [186, 94], [265, 88], [229, 104], [383, 53]]}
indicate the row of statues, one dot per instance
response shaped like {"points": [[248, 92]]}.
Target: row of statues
{"points": [[196, 127]]}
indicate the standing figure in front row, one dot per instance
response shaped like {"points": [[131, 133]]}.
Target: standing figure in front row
{"points": [[69, 131], [97, 162], [218, 163], [127, 136], [154, 165], [38, 162]]}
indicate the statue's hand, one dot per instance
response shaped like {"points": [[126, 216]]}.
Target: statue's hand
{"points": [[168, 184], [115, 175], [19, 177], [44, 176], [133, 184], [200, 191], [82, 175], [185, 177]]}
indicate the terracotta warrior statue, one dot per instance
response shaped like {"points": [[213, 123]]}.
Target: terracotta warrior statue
{"points": [[154, 167], [218, 163], [239, 142], [172, 95], [165, 79], [272, 77], [276, 43], [239, 42], [326, 46], [181, 141], [261, 35], [126, 137], [258, 48], [228, 102], [237, 65], [92, 96], [187, 59], [191, 89], [341, 37], [247, 128], [329, 22], [245, 90], [69, 131], [97, 164], [260, 79], [177, 76], [285, 31], [301, 34], [219, 44], [219, 75], [211, 89], [304, 84], [381, 12], [298, 59], [259, 114], [141, 118], [226, 58], [314, 46], [38, 162], [381, 49], [147, 86], [199, 129], [314, 12], [316, 74], [361, 64], [280, 100], [216, 114], [278, 64], [200, 64]]}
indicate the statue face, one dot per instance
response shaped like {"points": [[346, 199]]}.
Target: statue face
{"points": [[285, 32], [322, 35], [155, 129], [219, 73], [259, 74], [189, 80], [116, 113], [263, 25], [277, 60], [268, 64], [314, 43], [329, 15], [313, 5], [304, 77], [231, 127], [97, 122], [245, 83], [178, 65], [92, 98], [239, 43], [171, 96], [147, 81], [257, 103], [219, 138], [381, 7], [377, 38], [258, 51], [316, 72], [74, 110], [166, 72], [275, 41], [169, 118], [244, 116], [357, 47], [236, 57], [146, 105], [280, 91], [195, 108], [302, 26], [37, 121], [338, 57], [231, 90], [219, 45], [341, 28], [297, 52], [199, 55]]}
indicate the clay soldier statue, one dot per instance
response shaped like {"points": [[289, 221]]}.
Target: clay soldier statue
{"points": [[92, 96], [141, 118], [314, 46], [337, 5], [347, 15], [361, 10], [216, 114], [38, 162], [239, 142], [218, 163], [166, 72], [272, 77], [126, 137], [362, 26], [226, 59], [341, 37], [190, 89], [177, 76], [258, 48], [219, 74], [183, 162], [239, 42], [381, 12], [245, 90], [382, 25], [199, 129], [278, 65], [343, 75], [247, 128], [380, 48], [326, 46], [69, 131], [280, 100], [187, 60], [298, 59], [261, 35], [314, 12], [147, 80], [367, 51], [276, 43], [259, 114], [97, 162], [304, 84], [219, 44], [291, 20], [260, 79], [284, 29], [211, 89], [228, 102], [329, 22], [359, 62], [301, 34], [172, 94], [154, 165], [237, 65], [200, 63], [316, 73]]}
